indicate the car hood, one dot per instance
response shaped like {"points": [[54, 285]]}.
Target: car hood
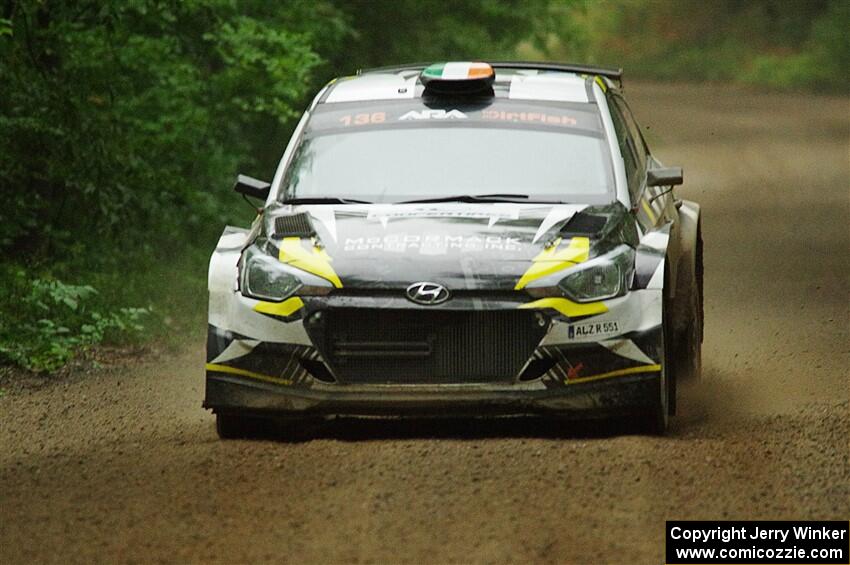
{"points": [[480, 246]]}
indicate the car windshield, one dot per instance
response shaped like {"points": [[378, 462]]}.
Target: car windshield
{"points": [[397, 153]]}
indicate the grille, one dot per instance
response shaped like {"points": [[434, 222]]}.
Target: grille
{"points": [[427, 347]]}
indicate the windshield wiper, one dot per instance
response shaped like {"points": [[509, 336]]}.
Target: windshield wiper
{"points": [[324, 200], [480, 198]]}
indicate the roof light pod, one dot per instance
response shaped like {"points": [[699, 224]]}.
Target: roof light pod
{"points": [[452, 78]]}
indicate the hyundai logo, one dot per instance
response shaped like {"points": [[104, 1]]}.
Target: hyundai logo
{"points": [[427, 293]]}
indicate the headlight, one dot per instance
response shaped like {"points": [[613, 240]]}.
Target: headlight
{"points": [[263, 277], [606, 276]]}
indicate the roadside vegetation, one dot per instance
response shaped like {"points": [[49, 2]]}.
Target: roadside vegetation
{"points": [[774, 44], [122, 124]]}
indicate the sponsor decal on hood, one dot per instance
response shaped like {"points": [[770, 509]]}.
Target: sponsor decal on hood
{"points": [[459, 245]]}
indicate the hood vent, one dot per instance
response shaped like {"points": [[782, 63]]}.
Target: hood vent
{"points": [[296, 225], [584, 224]]}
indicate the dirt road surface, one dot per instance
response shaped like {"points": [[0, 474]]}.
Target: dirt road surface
{"points": [[125, 465]]}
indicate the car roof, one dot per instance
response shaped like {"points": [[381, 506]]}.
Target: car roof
{"points": [[516, 80]]}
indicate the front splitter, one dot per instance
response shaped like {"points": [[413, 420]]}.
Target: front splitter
{"points": [[624, 395]]}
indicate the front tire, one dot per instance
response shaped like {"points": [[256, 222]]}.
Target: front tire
{"points": [[656, 419], [688, 346]]}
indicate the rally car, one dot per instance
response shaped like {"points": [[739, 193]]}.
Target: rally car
{"points": [[462, 238]]}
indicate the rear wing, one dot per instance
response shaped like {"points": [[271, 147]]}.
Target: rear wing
{"points": [[612, 74]]}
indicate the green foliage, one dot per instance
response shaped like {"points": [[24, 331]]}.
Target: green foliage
{"points": [[387, 32], [52, 321], [774, 43], [122, 124], [824, 59], [120, 116]]}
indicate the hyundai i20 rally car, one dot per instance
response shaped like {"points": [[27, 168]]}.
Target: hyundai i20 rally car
{"points": [[463, 239]]}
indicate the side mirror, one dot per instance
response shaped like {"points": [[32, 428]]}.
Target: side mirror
{"points": [[250, 186], [668, 176]]}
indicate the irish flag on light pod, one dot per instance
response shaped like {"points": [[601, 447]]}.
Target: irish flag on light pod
{"points": [[457, 71]]}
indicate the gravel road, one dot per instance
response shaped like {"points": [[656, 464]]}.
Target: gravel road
{"points": [[124, 465]]}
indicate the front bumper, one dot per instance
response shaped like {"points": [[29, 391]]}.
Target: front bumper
{"points": [[263, 361]]}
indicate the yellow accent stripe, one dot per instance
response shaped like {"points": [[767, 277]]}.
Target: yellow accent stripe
{"points": [[648, 209], [316, 261], [285, 308], [551, 260], [243, 373], [601, 84], [617, 373], [567, 307]]}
